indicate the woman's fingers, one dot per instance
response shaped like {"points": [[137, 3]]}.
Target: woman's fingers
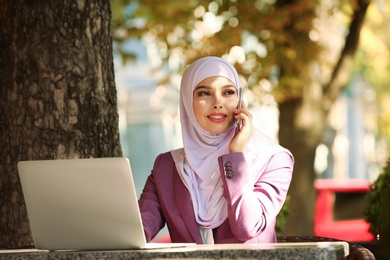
{"points": [[242, 137]]}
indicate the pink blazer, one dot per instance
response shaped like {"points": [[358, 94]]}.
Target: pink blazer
{"points": [[252, 208]]}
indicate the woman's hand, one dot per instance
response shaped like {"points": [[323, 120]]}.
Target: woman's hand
{"points": [[241, 138]]}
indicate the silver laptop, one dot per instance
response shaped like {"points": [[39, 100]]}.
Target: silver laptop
{"points": [[83, 204]]}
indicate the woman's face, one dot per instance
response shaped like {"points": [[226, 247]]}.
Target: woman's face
{"points": [[215, 98]]}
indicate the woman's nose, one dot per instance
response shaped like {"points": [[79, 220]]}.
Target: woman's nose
{"points": [[217, 102]]}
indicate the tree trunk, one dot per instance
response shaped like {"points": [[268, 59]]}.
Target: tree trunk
{"points": [[58, 95], [302, 121], [302, 141]]}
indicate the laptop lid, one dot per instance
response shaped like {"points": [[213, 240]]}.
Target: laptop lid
{"points": [[82, 204]]}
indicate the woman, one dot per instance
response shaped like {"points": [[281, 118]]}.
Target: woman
{"points": [[225, 185]]}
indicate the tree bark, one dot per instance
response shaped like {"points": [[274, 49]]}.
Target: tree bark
{"points": [[58, 95]]}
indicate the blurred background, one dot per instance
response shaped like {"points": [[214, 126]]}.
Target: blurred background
{"points": [[315, 75]]}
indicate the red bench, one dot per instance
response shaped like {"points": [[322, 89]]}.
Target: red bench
{"points": [[326, 224]]}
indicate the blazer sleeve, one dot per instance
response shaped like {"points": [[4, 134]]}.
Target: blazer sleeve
{"points": [[150, 208], [253, 203]]}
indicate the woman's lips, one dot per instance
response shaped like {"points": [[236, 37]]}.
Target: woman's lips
{"points": [[217, 118]]}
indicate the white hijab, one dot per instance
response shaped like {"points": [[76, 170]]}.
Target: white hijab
{"points": [[197, 164]]}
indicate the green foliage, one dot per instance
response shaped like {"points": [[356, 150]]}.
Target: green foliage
{"points": [[376, 206], [278, 48], [281, 219]]}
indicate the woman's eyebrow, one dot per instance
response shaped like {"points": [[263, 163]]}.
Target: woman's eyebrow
{"points": [[202, 87], [208, 87], [229, 86]]}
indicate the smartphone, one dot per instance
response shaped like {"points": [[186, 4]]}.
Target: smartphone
{"points": [[239, 121]]}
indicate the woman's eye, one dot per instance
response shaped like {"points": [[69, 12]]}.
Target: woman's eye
{"points": [[203, 93], [229, 92]]}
